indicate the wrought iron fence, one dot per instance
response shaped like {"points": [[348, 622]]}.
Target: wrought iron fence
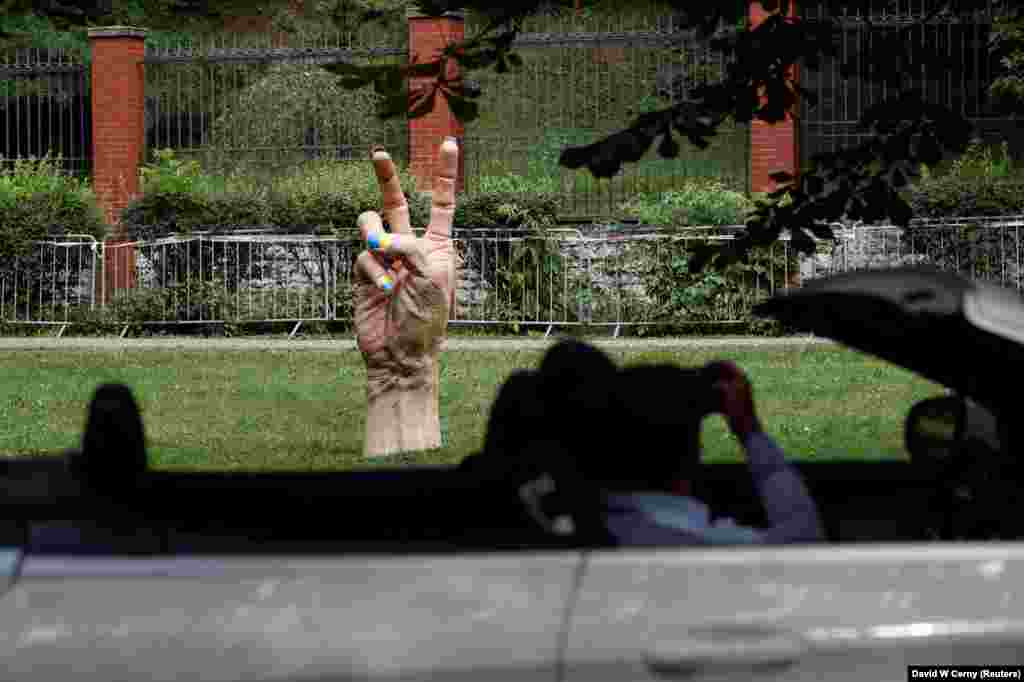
{"points": [[259, 103], [831, 124], [561, 278], [583, 79], [45, 107], [265, 104]]}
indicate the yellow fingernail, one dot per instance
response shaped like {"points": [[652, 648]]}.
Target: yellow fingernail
{"points": [[385, 282]]}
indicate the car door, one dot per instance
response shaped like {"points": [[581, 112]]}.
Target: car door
{"points": [[494, 617], [837, 613]]}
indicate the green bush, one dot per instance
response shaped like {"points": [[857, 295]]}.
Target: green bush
{"points": [[980, 182], [676, 295], [497, 210], [314, 197], [514, 183], [37, 198], [37, 202], [979, 160], [955, 196], [280, 109], [700, 202], [167, 174]]}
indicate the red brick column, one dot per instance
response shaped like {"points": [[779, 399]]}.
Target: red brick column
{"points": [[772, 146], [119, 137], [427, 37]]}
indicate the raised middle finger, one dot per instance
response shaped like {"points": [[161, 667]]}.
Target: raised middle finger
{"points": [[442, 212]]}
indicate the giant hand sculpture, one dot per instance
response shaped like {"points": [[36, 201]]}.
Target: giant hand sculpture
{"points": [[404, 290]]}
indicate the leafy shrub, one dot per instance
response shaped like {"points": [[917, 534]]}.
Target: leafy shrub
{"points": [[331, 195], [318, 197], [677, 295], [497, 210], [979, 161], [956, 196], [299, 107], [704, 202], [37, 202], [42, 198], [514, 183], [527, 276], [167, 174]]}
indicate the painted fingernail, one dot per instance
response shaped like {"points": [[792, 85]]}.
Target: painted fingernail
{"points": [[380, 240], [386, 282], [453, 140]]}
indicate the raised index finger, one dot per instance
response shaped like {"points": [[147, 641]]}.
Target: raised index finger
{"points": [[443, 210], [396, 208]]}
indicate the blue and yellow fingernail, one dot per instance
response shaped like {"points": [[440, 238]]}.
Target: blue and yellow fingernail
{"points": [[386, 282], [379, 241]]}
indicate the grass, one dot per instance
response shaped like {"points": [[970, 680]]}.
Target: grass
{"points": [[298, 410]]}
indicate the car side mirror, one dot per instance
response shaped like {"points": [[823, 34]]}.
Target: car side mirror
{"points": [[937, 428], [934, 428]]}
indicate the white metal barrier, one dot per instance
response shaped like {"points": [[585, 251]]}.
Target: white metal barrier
{"points": [[565, 277]]}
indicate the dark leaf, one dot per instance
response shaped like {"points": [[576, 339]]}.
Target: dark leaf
{"points": [[813, 184], [809, 96], [669, 148], [821, 230], [434, 8], [802, 242], [465, 110], [389, 82], [423, 103], [900, 174], [604, 158], [781, 176], [929, 151], [702, 255], [698, 142], [471, 88], [424, 69], [393, 105], [900, 211], [353, 83]]}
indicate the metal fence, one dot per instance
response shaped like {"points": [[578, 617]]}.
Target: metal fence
{"points": [[45, 107], [260, 103], [54, 282], [586, 78], [564, 278], [832, 123]]}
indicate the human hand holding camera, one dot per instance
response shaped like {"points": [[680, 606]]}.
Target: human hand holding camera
{"points": [[734, 398]]}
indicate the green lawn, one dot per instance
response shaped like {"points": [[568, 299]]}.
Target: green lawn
{"points": [[305, 410]]}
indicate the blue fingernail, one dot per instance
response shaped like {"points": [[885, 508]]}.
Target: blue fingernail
{"points": [[373, 239]]}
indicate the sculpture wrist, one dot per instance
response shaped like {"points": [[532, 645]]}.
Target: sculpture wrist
{"points": [[402, 414]]}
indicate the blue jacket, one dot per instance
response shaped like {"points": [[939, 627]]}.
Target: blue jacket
{"points": [[661, 519]]}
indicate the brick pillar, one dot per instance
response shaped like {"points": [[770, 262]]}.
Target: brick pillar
{"points": [[119, 136], [427, 37], [772, 146]]}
